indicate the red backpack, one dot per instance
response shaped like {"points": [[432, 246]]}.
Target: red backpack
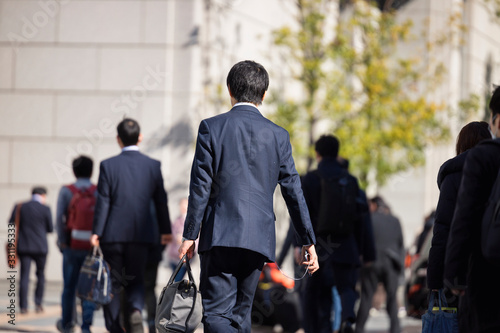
{"points": [[81, 216]]}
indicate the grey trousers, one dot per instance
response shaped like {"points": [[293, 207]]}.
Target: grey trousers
{"points": [[370, 277]]}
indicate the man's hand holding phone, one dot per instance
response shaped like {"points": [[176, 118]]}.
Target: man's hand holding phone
{"points": [[310, 258]]}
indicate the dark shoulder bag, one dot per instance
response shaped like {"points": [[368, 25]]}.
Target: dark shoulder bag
{"points": [[94, 282], [179, 306]]}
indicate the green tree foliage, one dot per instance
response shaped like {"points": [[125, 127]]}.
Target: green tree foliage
{"points": [[356, 87]]}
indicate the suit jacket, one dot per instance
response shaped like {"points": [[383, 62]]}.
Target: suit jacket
{"points": [[127, 184], [240, 158], [35, 222], [388, 241]]}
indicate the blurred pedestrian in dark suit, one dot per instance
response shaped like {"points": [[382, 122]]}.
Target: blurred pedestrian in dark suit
{"points": [[123, 225], [386, 269], [34, 223]]}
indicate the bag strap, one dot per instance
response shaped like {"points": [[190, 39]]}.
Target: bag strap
{"points": [[178, 268], [432, 300], [443, 298], [74, 190], [17, 220], [443, 304], [97, 252]]}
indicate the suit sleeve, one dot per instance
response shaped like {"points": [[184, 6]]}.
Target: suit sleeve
{"points": [[401, 244], [291, 190], [444, 216], [102, 205], [12, 216], [62, 209], [367, 238], [201, 183], [161, 206], [48, 221]]}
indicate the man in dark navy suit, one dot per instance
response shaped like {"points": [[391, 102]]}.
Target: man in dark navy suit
{"points": [[240, 158], [35, 221], [123, 225]]}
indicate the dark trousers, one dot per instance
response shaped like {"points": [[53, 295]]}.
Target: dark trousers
{"points": [[370, 277], [149, 292], [228, 281], [346, 277], [39, 260], [481, 297], [318, 299], [127, 262], [72, 262]]}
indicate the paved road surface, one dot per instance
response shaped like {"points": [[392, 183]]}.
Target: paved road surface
{"points": [[45, 322]]}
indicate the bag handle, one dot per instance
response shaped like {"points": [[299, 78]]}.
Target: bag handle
{"points": [[178, 268], [432, 299], [97, 252], [17, 221], [441, 301]]}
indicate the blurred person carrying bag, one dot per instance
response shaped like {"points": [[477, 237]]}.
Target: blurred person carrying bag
{"points": [[11, 244], [179, 306], [94, 281]]}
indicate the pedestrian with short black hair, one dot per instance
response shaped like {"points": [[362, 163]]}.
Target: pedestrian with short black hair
{"points": [[74, 219], [239, 160], [123, 226], [336, 206], [35, 221]]}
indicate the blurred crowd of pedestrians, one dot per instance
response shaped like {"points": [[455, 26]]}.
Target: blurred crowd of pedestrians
{"points": [[345, 246]]}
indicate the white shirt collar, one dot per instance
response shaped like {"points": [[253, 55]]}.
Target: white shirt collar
{"points": [[245, 103], [37, 197], [131, 148]]}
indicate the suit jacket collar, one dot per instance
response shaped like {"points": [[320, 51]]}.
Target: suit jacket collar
{"points": [[130, 152], [246, 107], [131, 148]]}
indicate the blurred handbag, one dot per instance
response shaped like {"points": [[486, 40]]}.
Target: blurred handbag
{"points": [[94, 281], [11, 244], [179, 306], [439, 319]]}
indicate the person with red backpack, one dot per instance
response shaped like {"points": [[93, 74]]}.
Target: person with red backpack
{"points": [[75, 215]]}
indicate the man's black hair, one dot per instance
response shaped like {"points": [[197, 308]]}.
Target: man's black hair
{"points": [[248, 81], [128, 131], [39, 190], [82, 167], [327, 146], [495, 101]]}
